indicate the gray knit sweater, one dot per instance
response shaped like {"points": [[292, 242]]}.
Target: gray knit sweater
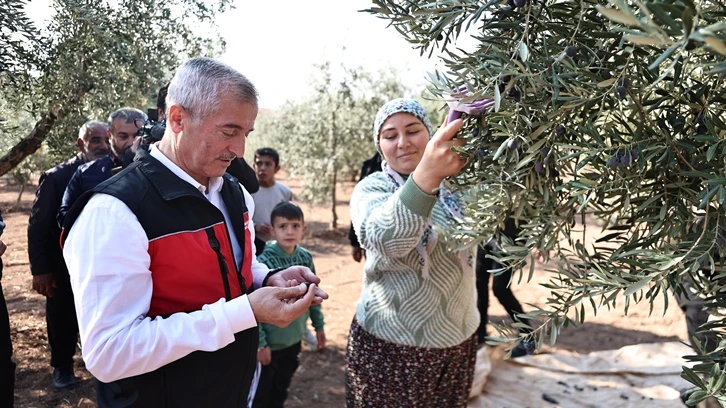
{"points": [[397, 303]]}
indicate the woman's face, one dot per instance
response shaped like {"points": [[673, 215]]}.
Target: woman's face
{"points": [[402, 140]]}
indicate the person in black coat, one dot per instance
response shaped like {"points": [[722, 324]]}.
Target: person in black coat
{"points": [[370, 166], [50, 276], [123, 125], [7, 370], [500, 287]]}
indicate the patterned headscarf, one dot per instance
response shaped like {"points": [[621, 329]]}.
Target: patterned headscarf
{"points": [[397, 106]]}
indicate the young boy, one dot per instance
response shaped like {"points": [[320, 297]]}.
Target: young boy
{"points": [[279, 347], [271, 193]]}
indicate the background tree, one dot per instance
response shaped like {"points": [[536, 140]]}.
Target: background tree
{"points": [[327, 135], [612, 110], [93, 57]]}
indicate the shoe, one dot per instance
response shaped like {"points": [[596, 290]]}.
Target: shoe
{"points": [[64, 378], [310, 340]]}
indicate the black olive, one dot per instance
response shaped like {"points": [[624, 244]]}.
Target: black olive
{"points": [[560, 130], [621, 92]]}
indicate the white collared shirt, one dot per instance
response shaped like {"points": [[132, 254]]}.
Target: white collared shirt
{"points": [[107, 256]]}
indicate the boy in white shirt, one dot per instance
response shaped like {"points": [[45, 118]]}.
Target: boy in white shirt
{"points": [[271, 193]]}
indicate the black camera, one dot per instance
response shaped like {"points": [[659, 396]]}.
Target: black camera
{"points": [[152, 130]]}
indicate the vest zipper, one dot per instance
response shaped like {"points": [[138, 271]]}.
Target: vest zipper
{"points": [[224, 269], [240, 279]]}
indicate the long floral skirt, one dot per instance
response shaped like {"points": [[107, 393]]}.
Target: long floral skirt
{"points": [[384, 374]]}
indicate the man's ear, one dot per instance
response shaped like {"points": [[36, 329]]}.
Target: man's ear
{"points": [[80, 144], [176, 114], [305, 228], [277, 168]]}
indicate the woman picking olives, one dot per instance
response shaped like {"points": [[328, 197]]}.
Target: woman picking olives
{"points": [[413, 339]]}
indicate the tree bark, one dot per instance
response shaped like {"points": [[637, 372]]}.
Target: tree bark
{"points": [[334, 176], [20, 194], [334, 196], [29, 144]]}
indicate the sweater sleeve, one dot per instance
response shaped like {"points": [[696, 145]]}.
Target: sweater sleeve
{"points": [[316, 311], [389, 223], [262, 336]]}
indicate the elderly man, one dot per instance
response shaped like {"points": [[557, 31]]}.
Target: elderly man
{"points": [[122, 127], [162, 263], [50, 276]]}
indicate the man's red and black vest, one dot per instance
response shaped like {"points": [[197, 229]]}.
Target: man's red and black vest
{"points": [[192, 265]]}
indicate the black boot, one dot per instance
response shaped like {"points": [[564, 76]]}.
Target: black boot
{"points": [[64, 378]]}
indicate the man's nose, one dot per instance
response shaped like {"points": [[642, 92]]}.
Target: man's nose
{"points": [[238, 147]]}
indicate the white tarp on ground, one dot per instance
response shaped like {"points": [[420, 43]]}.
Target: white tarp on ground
{"points": [[642, 375]]}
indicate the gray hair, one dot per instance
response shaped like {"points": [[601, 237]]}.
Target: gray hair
{"points": [[86, 128], [130, 114], [200, 82]]}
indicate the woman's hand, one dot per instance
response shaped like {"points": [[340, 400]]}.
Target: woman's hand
{"points": [[439, 161]]}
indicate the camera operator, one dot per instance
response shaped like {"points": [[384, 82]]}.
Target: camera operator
{"points": [[150, 131], [122, 130]]}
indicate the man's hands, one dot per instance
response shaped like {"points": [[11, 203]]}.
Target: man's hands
{"points": [[44, 284], [295, 275], [439, 161], [281, 306], [264, 355], [289, 293]]}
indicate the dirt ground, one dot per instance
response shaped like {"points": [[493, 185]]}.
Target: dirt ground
{"points": [[320, 379]]}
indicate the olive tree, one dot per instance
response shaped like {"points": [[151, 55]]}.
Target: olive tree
{"points": [[608, 109], [93, 57], [326, 136]]}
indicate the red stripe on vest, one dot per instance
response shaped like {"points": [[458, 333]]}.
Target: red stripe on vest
{"points": [[186, 274]]}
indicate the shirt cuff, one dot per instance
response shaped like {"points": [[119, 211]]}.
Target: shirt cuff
{"points": [[239, 314], [416, 200]]}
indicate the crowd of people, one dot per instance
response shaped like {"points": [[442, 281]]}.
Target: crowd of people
{"points": [[181, 275], [156, 276]]}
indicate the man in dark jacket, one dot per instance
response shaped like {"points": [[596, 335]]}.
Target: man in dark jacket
{"points": [[123, 124], [370, 166], [50, 276], [7, 365]]}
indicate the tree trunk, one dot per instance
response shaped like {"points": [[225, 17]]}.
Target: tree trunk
{"points": [[20, 194], [334, 176], [29, 144], [334, 224]]}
